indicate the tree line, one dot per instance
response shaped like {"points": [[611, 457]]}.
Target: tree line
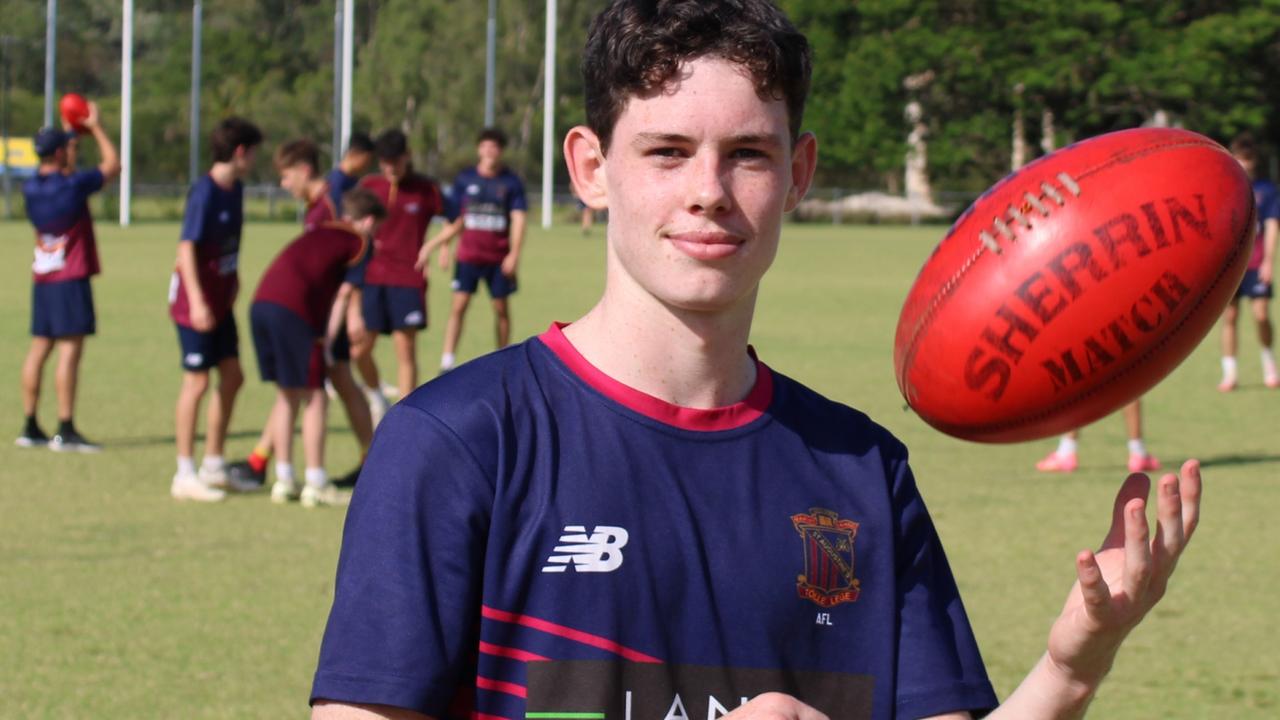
{"points": [[994, 80]]}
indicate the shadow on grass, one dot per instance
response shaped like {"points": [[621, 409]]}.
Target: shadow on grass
{"points": [[1230, 460], [154, 440]]}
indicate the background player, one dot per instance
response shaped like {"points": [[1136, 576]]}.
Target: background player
{"points": [[1256, 285], [201, 296], [395, 292], [297, 314], [354, 164], [66, 256], [298, 163], [628, 490], [488, 205], [1064, 459]]}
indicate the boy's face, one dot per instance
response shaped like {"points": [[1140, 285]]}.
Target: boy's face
{"points": [[1247, 163], [696, 180], [294, 178], [395, 168], [489, 153], [359, 161], [242, 160]]}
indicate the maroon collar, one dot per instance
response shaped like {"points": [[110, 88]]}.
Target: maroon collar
{"points": [[721, 418]]}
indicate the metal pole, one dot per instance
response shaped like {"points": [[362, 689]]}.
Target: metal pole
{"points": [[4, 123], [197, 21], [549, 116], [348, 65], [490, 62], [50, 58], [126, 116], [337, 82]]}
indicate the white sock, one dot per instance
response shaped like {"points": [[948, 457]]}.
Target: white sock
{"points": [[284, 471], [1228, 367], [316, 477], [213, 463], [1137, 448], [447, 360], [186, 466], [1268, 361], [1066, 446]]}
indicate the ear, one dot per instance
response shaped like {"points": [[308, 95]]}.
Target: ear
{"points": [[804, 160], [585, 159]]}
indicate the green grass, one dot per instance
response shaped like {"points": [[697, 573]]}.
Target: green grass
{"points": [[117, 602]]}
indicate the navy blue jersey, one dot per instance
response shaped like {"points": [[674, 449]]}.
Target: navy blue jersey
{"points": [[339, 183], [213, 218], [485, 204], [58, 208], [1267, 201], [531, 538]]}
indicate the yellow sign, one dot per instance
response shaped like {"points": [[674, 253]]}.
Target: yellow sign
{"points": [[21, 153]]}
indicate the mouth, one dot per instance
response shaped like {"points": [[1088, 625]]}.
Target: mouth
{"points": [[702, 245]]}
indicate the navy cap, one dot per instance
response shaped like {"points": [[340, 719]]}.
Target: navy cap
{"points": [[48, 140]]}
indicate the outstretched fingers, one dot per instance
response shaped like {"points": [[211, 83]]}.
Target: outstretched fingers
{"points": [[1137, 550], [1094, 590]]}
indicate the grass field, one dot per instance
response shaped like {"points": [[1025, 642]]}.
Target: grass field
{"points": [[117, 602]]}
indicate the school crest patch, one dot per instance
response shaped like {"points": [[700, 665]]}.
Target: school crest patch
{"points": [[827, 541]]}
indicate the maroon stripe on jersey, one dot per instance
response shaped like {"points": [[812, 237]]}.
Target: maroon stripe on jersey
{"points": [[568, 633], [511, 653], [721, 418], [484, 683]]}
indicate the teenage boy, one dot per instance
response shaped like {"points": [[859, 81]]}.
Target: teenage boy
{"points": [[604, 520], [395, 293], [297, 313], [354, 164], [201, 295], [488, 206], [1256, 284], [66, 256], [298, 162]]}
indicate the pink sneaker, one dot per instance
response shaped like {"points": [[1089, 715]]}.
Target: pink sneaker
{"points": [[1143, 463], [1271, 381], [1227, 385], [1053, 462]]}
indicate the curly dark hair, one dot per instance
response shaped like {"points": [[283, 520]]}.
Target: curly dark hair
{"points": [[637, 46]]}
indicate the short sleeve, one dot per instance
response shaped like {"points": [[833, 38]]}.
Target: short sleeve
{"points": [[939, 667], [1270, 209], [193, 216], [518, 201], [88, 182], [405, 617]]}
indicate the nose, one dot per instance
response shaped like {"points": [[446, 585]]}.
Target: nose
{"points": [[708, 187]]}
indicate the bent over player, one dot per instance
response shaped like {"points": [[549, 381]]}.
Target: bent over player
{"points": [[297, 314], [201, 295], [66, 256], [632, 515]]}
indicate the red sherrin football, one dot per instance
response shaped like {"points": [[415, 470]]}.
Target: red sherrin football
{"points": [[74, 109], [1074, 285]]}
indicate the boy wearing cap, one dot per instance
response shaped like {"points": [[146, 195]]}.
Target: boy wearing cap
{"points": [[66, 256]]}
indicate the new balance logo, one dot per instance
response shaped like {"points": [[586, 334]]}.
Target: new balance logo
{"points": [[601, 551]]}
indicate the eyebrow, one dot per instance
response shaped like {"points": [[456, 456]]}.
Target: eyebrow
{"points": [[655, 138]]}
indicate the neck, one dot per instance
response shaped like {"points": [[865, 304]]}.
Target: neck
{"points": [[487, 170], [694, 359], [223, 173], [315, 189]]}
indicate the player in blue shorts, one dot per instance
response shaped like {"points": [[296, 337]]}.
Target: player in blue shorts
{"points": [[66, 256], [488, 207], [305, 296], [201, 295], [1257, 282], [298, 162], [632, 516]]}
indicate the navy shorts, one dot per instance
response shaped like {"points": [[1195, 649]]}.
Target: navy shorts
{"points": [[289, 353], [1251, 287], [341, 350], [467, 276], [388, 307], [62, 309], [204, 350]]}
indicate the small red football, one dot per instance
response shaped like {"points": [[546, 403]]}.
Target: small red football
{"points": [[1074, 285], [74, 109]]}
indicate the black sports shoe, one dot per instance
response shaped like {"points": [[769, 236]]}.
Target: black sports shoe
{"points": [[32, 436], [348, 480], [240, 474], [70, 440]]}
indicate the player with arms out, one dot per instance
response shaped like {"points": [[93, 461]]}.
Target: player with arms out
{"points": [[66, 257], [632, 513], [1257, 282], [395, 293], [491, 214], [298, 163], [302, 301], [201, 295]]}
